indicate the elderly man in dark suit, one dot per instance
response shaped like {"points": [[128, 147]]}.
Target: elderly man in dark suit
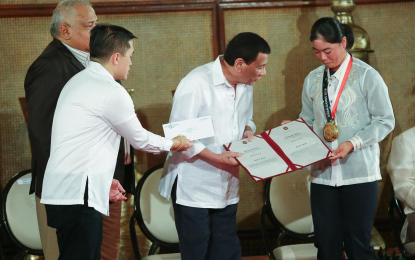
{"points": [[65, 56]]}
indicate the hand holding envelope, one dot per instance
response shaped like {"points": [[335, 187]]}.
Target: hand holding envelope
{"points": [[183, 132], [180, 143]]}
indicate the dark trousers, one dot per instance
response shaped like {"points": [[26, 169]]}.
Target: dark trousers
{"points": [[206, 234], [78, 229], [343, 216]]}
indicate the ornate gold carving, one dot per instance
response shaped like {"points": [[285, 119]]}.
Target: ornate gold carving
{"points": [[343, 12]]}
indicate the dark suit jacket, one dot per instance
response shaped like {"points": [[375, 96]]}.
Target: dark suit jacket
{"points": [[44, 82]]}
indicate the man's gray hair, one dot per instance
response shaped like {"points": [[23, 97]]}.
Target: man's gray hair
{"points": [[65, 11]]}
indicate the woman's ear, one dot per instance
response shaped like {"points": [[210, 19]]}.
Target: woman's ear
{"points": [[344, 42]]}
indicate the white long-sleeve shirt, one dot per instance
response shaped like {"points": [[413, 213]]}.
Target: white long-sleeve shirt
{"points": [[364, 116], [92, 113], [206, 92], [401, 168]]}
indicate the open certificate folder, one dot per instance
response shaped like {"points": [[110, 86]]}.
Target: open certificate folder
{"points": [[281, 150]]}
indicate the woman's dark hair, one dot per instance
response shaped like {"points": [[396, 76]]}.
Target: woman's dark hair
{"points": [[246, 46], [332, 31], [108, 39]]}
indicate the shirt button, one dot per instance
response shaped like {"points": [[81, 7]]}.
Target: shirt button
{"points": [[233, 95], [234, 127]]}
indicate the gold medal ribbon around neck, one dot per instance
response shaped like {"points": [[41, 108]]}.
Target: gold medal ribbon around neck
{"points": [[330, 130]]}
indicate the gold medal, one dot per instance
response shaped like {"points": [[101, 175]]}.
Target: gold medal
{"points": [[330, 131]]}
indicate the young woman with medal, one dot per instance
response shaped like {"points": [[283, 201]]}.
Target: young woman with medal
{"points": [[346, 103]]}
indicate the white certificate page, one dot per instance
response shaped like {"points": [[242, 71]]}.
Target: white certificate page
{"points": [[259, 158], [193, 129], [301, 145]]}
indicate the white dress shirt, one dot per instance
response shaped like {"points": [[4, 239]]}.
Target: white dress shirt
{"points": [[84, 59], [92, 113], [364, 117], [401, 168], [206, 92]]}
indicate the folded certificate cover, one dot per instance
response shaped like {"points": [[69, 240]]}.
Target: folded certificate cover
{"points": [[281, 150]]}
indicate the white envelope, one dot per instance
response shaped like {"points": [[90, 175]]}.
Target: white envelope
{"points": [[193, 129]]}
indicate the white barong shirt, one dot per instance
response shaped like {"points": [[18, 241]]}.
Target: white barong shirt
{"points": [[206, 92], [401, 168], [364, 117], [92, 113]]}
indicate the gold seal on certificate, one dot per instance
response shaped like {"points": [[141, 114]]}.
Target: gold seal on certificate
{"points": [[330, 131]]}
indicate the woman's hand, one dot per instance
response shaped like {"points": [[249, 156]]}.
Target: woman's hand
{"points": [[285, 122], [341, 151]]}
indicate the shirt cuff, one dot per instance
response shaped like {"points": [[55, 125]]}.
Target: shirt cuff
{"points": [[252, 125], [194, 150], [357, 142], [168, 144], [127, 147]]}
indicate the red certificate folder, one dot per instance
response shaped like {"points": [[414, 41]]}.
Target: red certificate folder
{"points": [[290, 165]]}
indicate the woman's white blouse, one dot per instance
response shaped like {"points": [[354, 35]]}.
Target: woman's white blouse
{"points": [[364, 117]]}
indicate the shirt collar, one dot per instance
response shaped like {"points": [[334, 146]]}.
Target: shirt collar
{"points": [[339, 73], [98, 68], [217, 73], [81, 56]]}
